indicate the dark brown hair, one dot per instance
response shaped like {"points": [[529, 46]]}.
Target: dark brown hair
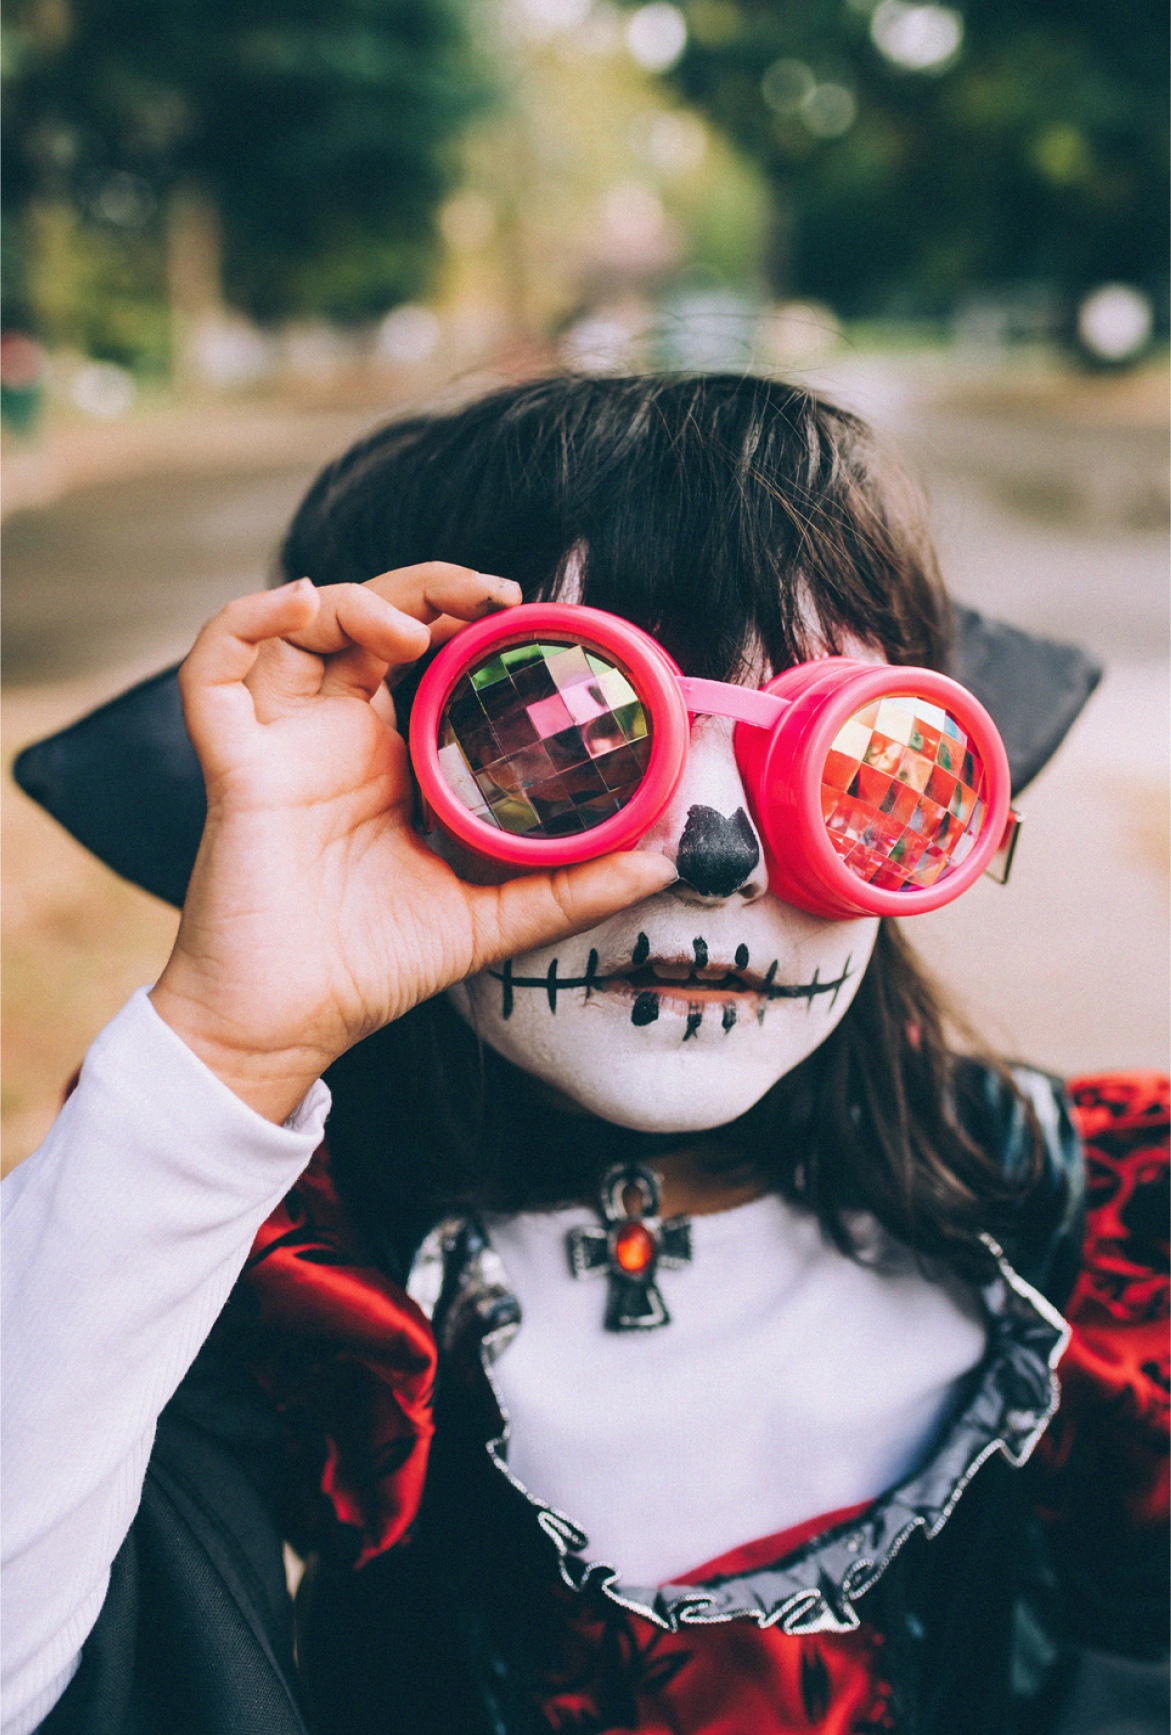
{"points": [[728, 516]]}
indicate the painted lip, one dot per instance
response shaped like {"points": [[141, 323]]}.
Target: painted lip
{"points": [[678, 979], [686, 985]]}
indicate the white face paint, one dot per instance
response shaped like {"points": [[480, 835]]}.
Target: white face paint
{"points": [[681, 1013]]}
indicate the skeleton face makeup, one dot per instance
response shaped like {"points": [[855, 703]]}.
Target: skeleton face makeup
{"points": [[679, 1014]]}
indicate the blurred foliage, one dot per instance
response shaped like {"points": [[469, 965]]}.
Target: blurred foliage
{"points": [[1036, 152], [595, 189], [101, 292], [322, 133]]}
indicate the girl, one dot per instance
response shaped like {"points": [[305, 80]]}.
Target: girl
{"points": [[665, 1340]]}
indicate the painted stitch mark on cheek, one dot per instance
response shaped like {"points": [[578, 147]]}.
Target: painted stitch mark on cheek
{"points": [[551, 984], [642, 951], [769, 975], [742, 956], [645, 1009], [838, 985], [728, 1018], [694, 1020], [699, 946]]}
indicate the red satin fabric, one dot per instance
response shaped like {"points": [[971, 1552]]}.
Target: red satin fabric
{"points": [[620, 1673], [751, 1556], [348, 1357]]}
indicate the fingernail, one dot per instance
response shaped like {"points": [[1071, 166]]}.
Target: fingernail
{"points": [[290, 583], [504, 587], [664, 869]]}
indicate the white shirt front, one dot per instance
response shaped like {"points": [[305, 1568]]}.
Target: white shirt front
{"points": [[791, 1381]]}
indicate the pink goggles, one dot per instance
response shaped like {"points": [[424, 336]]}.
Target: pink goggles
{"points": [[554, 733]]}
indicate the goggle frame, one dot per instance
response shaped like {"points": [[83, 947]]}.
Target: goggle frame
{"points": [[783, 734]]}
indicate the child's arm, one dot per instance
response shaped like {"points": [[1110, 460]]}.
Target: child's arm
{"points": [[315, 915], [123, 1235]]}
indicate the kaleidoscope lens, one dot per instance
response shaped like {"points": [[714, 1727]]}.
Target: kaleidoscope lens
{"points": [[903, 793], [544, 739]]}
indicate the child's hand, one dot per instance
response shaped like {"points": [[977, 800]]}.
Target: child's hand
{"points": [[315, 913]]}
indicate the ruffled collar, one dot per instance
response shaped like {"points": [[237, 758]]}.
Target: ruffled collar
{"points": [[350, 1361], [460, 1281]]}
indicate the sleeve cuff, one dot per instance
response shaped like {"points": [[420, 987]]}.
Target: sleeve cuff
{"points": [[139, 1046]]}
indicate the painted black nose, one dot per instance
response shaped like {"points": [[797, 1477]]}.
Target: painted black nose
{"points": [[717, 853]]}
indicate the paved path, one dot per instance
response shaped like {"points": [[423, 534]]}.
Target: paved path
{"points": [[1068, 965], [125, 569]]}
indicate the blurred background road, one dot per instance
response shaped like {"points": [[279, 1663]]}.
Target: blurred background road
{"points": [[943, 219]]}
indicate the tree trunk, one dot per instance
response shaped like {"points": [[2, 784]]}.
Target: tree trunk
{"points": [[194, 278]]}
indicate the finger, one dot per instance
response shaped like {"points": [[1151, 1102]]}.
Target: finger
{"points": [[283, 676], [355, 673], [438, 588], [216, 703], [443, 628], [354, 614], [530, 912]]}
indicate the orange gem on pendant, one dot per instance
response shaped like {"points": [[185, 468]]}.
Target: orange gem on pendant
{"points": [[629, 1248], [634, 1248]]}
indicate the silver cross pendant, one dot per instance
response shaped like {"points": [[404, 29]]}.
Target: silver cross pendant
{"points": [[634, 1243]]}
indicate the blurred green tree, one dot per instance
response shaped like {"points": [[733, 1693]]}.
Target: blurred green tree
{"points": [[306, 143], [920, 152]]}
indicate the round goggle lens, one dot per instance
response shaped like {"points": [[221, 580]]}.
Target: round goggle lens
{"points": [[544, 740], [902, 792]]}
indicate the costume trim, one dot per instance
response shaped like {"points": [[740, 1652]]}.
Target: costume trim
{"points": [[815, 1588]]}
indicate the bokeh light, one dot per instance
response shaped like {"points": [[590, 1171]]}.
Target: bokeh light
{"points": [[409, 334], [548, 17], [103, 390], [829, 110], [917, 38], [674, 143], [656, 35], [1115, 322], [786, 85]]}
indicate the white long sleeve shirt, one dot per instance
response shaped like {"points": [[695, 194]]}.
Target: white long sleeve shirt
{"points": [[789, 1381], [123, 1235]]}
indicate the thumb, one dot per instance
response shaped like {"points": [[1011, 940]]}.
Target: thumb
{"points": [[529, 912]]}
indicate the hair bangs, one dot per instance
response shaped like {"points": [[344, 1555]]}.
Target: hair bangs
{"points": [[742, 522]]}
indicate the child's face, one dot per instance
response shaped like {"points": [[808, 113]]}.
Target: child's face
{"points": [[681, 1013]]}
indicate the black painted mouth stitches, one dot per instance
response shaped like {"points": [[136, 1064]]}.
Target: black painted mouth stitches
{"points": [[696, 984]]}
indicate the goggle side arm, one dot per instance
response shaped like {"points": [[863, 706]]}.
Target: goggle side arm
{"points": [[721, 699]]}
